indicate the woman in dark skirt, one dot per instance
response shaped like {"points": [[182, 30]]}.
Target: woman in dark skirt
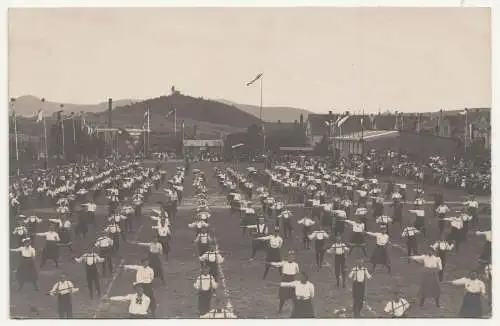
{"points": [[304, 293], [398, 212], [474, 289], [340, 216], [62, 226], [155, 251], [26, 271], [485, 257], [419, 218], [357, 236], [429, 287], [380, 255], [51, 249], [274, 243], [456, 234]]}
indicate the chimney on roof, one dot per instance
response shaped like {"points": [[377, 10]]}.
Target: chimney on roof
{"points": [[110, 108]]}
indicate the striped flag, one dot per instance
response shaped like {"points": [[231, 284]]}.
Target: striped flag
{"points": [[169, 113], [259, 76], [39, 116], [338, 119], [342, 120]]}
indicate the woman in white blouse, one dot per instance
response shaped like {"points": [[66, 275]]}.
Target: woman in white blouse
{"points": [[138, 303], [474, 289], [304, 293], [429, 287], [26, 271]]}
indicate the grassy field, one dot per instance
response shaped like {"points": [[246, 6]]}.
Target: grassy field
{"points": [[251, 296]]}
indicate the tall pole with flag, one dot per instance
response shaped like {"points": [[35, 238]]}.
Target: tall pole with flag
{"points": [[260, 78], [466, 129], [149, 130], [74, 128], [41, 118], [12, 103], [145, 127], [63, 151], [174, 110], [182, 138], [362, 132]]}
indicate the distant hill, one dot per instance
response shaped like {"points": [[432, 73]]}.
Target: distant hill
{"points": [[272, 113], [26, 105], [208, 118]]}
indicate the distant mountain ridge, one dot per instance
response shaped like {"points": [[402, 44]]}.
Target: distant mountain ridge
{"points": [[27, 105], [270, 113]]}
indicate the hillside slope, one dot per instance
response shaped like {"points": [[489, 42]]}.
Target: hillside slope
{"points": [[270, 113], [26, 105], [188, 108]]}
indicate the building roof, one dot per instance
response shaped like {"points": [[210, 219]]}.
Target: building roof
{"points": [[203, 143], [354, 124], [369, 135], [296, 149], [273, 127]]}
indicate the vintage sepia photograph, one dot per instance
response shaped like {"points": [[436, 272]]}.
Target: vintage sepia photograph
{"points": [[249, 162]]}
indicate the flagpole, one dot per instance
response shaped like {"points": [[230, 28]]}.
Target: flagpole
{"points": [[362, 132], [83, 152], [175, 122], [466, 138], [74, 131], [260, 115], [12, 101], [62, 130], [149, 131], [45, 136]]}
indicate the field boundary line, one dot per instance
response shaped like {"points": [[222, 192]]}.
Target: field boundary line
{"points": [[115, 276]]}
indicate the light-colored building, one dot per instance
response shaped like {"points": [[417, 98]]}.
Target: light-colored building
{"points": [[197, 146]]}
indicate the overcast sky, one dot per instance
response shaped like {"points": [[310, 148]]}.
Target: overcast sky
{"points": [[405, 59]]}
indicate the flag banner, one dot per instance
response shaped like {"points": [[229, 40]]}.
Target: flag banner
{"points": [[146, 114], [372, 121], [464, 112], [259, 76], [69, 116], [39, 116], [59, 115], [342, 120], [418, 125], [169, 113]]}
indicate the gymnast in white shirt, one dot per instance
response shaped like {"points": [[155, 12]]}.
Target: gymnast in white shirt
{"points": [[474, 289]]}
